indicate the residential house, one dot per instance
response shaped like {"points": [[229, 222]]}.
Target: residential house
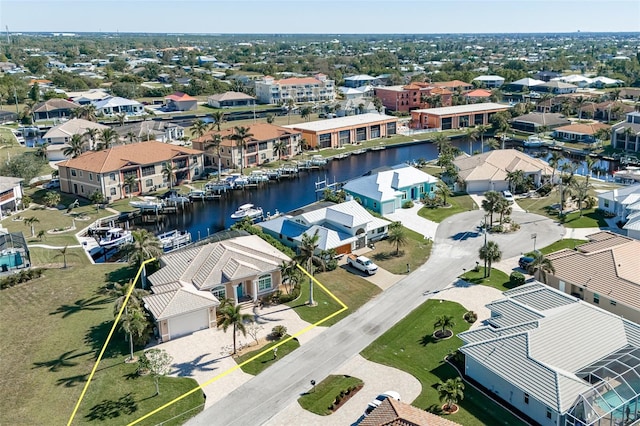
{"points": [[354, 107], [477, 96], [300, 89], [411, 96], [526, 83], [151, 130], [624, 204], [341, 227], [54, 108], [10, 194], [360, 80], [88, 96], [395, 413], [14, 252], [604, 272], [454, 85], [607, 111], [535, 121], [7, 116], [579, 132], [107, 170], [489, 81], [626, 135], [630, 93], [547, 75], [556, 359], [386, 190], [338, 132], [58, 137], [179, 101], [230, 99], [556, 87], [260, 147], [455, 117], [489, 171], [116, 105], [357, 93], [190, 283]]}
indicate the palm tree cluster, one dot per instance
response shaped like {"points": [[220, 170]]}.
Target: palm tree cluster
{"points": [[490, 253], [144, 246], [451, 392], [134, 320], [494, 202]]}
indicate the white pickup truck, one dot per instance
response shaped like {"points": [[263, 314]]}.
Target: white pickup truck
{"points": [[362, 263]]}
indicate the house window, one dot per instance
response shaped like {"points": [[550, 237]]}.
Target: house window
{"points": [[112, 191], [80, 173], [90, 176], [262, 146], [526, 398], [380, 230], [613, 302], [548, 413], [148, 183], [375, 205], [219, 292], [264, 282], [596, 298], [148, 170], [112, 176], [606, 203], [73, 172], [82, 189]]}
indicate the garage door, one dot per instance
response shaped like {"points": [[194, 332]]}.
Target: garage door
{"points": [[188, 323], [388, 208]]}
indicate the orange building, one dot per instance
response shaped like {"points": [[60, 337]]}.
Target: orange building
{"points": [[455, 117], [412, 96]]}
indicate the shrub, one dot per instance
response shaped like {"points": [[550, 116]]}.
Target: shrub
{"points": [[278, 331], [26, 201], [497, 228], [20, 277], [545, 189], [516, 278], [471, 316], [407, 204]]}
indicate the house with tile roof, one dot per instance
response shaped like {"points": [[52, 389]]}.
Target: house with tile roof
{"points": [[230, 99], [386, 190], [396, 413], [300, 89], [342, 227], [58, 137], [10, 193], [534, 121], [477, 96], [54, 108], [488, 171], [604, 272], [190, 283], [626, 134], [107, 170], [260, 147], [453, 85], [179, 101], [579, 132], [557, 359]]}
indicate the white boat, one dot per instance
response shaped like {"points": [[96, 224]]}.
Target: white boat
{"points": [[247, 210], [318, 160], [147, 203], [533, 142], [629, 174], [174, 239], [240, 181], [196, 194], [115, 237]]}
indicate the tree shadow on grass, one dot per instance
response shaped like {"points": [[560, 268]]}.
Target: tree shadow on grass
{"points": [[111, 409], [428, 339], [94, 303], [443, 371], [122, 275], [73, 381], [64, 360], [386, 255], [97, 335]]}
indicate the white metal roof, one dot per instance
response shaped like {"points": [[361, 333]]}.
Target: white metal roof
{"points": [[463, 109], [336, 123], [488, 78], [385, 185]]}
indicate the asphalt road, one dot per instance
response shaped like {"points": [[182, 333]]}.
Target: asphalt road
{"points": [[456, 247]]}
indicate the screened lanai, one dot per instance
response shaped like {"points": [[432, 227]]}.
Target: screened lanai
{"points": [[614, 399]]}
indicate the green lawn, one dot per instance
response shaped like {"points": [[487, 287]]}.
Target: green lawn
{"points": [[498, 279], [589, 219], [319, 400], [256, 366], [569, 243], [415, 253], [353, 290], [53, 258], [409, 346], [459, 203], [52, 329]]}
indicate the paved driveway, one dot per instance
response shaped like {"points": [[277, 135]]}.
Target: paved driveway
{"points": [[411, 220]]}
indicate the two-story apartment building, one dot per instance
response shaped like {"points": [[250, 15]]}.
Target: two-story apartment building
{"points": [[107, 170], [260, 146], [626, 135], [300, 89], [411, 96], [455, 117]]}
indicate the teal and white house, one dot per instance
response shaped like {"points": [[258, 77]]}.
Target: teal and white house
{"points": [[387, 190]]}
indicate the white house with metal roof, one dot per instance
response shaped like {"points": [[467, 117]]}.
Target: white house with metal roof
{"points": [[557, 359], [624, 203], [117, 105]]}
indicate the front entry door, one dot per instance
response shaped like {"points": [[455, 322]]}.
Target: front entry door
{"points": [[239, 292]]}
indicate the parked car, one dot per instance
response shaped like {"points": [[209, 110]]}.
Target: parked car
{"points": [[524, 262], [52, 184], [378, 400], [362, 263], [508, 196]]}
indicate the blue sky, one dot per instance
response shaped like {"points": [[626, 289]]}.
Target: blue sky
{"points": [[311, 16]]}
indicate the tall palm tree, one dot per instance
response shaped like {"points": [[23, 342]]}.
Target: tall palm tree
{"points": [[231, 316], [218, 117], [107, 138], [397, 236], [122, 117], [132, 137], [91, 133], [491, 253], [541, 266], [503, 208], [290, 273], [442, 142], [472, 134], [42, 150], [215, 144], [628, 132], [491, 199], [75, 147], [443, 190], [309, 258], [579, 102], [240, 136], [144, 246], [169, 172], [119, 291], [589, 164], [482, 129], [451, 392], [134, 322], [130, 181], [30, 222], [515, 178], [581, 192], [290, 106], [493, 143], [199, 128], [554, 161], [63, 252], [305, 113], [280, 148]]}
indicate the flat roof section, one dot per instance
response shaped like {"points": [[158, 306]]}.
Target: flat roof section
{"points": [[337, 123], [463, 109]]}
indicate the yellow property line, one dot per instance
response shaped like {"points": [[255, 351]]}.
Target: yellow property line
{"points": [[234, 368], [104, 347]]}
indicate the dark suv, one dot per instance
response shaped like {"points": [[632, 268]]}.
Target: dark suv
{"points": [[524, 262]]}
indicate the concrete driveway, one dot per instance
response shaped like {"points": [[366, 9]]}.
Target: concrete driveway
{"points": [[382, 278], [411, 220]]}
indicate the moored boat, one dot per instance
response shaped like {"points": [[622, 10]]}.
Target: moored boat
{"points": [[533, 142], [196, 194], [115, 237], [247, 210], [147, 203], [174, 239]]}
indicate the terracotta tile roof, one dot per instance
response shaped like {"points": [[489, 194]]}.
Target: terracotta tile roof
{"points": [[478, 93], [440, 91], [583, 128], [396, 413], [113, 159], [452, 83], [179, 96], [607, 264], [260, 132], [39, 81]]}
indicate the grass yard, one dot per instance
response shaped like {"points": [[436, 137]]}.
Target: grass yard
{"points": [[415, 253], [460, 202], [569, 243], [49, 258], [353, 290], [409, 346], [52, 330], [256, 366], [498, 279], [590, 219], [319, 399]]}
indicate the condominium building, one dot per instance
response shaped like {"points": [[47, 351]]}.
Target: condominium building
{"points": [[412, 96], [300, 89]]}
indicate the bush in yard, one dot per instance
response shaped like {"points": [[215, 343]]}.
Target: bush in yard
{"points": [[278, 331], [516, 278], [471, 316], [407, 204]]}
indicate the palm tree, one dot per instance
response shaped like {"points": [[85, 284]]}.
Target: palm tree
{"points": [[515, 178], [91, 133], [107, 138], [451, 392], [482, 129], [88, 112], [279, 148], [554, 161], [491, 253], [541, 266], [628, 132], [232, 316], [63, 252], [489, 203], [240, 136], [120, 291], [581, 191], [199, 128], [442, 142], [129, 181], [472, 134], [215, 144], [290, 104], [41, 234], [443, 322], [580, 101], [290, 273], [31, 221], [169, 172], [493, 143], [589, 163], [397, 236], [309, 258], [132, 137], [144, 246], [218, 117], [503, 208], [134, 322], [443, 190], [305, 113], [122, 117], [42, 150], [75, 147]]}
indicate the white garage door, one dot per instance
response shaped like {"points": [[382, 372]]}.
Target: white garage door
{"points": [[188, 323], [388, 208]]}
